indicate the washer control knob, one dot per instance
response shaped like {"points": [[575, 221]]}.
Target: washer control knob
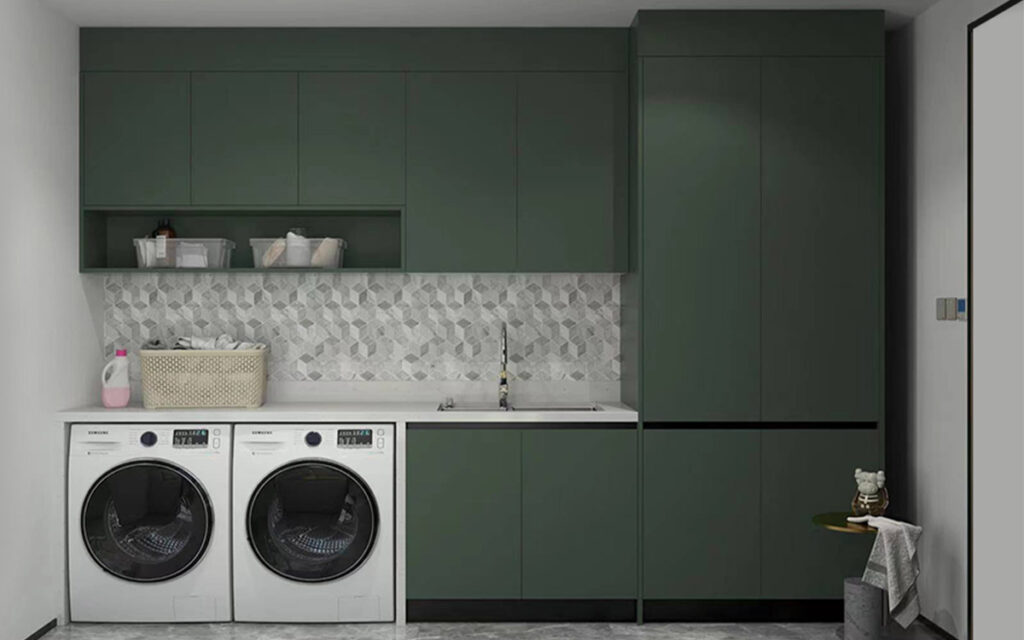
{"points": [[148, 439], [313, 439]]}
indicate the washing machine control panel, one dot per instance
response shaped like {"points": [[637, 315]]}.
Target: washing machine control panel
{"points": [[191, 438], [355, 438]]}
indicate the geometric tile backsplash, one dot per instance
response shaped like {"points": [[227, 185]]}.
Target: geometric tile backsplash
{"points": [[382, 326]]}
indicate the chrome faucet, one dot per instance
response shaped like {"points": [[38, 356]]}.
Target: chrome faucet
{"points": [[503, 374]]}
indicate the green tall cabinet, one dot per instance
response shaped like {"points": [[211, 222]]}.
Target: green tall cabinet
{"points": [[135, 148], [244, 138], [806, 472], [761, 216], [821, 268], [460, 180], [464, 509], [759, 294], [701, 239], [702, 498]]}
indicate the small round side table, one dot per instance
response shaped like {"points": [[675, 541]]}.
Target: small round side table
{"points": [[836, 521], [863, 610]]}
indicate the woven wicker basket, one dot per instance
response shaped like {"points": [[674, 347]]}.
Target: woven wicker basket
{"points": [[203, 379]]}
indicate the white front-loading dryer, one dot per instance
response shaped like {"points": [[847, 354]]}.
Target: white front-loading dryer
{"points": [[148, 523], [313, 524]]}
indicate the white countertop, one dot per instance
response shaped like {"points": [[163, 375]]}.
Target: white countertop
{"points": [[346, 412]]}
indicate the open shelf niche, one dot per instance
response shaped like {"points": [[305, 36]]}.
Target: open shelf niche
{"points": [[374, 235]]}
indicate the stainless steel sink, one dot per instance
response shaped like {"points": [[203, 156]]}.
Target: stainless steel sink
{"points": [[557, 407], [449, 405]]}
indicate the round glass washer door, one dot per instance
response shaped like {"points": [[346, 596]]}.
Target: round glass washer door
{"points": [[312, 521], [147, 521]]}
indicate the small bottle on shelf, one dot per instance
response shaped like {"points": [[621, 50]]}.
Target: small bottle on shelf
{"points": [[164, 251]]}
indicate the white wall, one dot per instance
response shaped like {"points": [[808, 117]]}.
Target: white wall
{"points": [[51, 345], [935, 44]]}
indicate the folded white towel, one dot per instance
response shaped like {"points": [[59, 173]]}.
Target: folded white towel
{"points": [[893, 565]]}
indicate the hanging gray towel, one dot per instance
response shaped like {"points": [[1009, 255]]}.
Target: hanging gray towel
{"points": [[893, 565]]}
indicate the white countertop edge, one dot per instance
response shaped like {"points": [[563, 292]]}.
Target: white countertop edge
{"points": [[409, 412]]}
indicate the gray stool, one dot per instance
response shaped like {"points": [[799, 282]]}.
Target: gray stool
{"points": [[863, 610]]}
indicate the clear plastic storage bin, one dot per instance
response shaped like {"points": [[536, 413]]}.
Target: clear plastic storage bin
{"points": [[184, 253], [317, 253]]}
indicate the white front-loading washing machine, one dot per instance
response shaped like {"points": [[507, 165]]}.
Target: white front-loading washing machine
{"points": [[148, 533], [314, 523]]}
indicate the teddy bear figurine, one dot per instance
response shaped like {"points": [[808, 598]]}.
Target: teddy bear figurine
{"points": [[871, 498]]}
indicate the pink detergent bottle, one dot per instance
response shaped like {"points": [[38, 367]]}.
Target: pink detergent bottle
{"points": [[116, 390]]}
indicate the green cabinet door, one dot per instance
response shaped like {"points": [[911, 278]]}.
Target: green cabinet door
{"points": [[702, 514], [579, 513], [806, 472], [352, 138], [463, 513], [822, 239], [571, 172], [701, 235], [460, 180], [244, 138], [135, 139]]}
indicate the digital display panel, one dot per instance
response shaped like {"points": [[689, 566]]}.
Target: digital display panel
{"points": [[191, 438], [355, 438]]}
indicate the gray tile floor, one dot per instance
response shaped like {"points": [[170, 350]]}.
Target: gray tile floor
{"points": [[461, 631]]}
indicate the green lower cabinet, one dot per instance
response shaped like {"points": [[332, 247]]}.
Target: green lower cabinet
{"points": [[464, 497], [701, 514], [580, 513], [805, 472]]}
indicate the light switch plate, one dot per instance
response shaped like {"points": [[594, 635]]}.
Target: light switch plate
{"points": [[951, 309]]}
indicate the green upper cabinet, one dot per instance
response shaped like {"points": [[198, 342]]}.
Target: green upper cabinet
{"points": [[701, 233], [571, 172], [822, 200], [464, 506], [806, 472], [352, 138], [244, 138], [701, 514], [135, 138], [580, 513], [460, 179]]}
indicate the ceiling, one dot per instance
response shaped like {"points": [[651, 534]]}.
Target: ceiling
{"points": [[424, 13]]}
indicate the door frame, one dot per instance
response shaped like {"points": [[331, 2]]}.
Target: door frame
{"points": [[970, 301]]}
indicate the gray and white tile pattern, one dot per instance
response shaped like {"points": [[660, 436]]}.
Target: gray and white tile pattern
{"points": [[383, 326]]}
